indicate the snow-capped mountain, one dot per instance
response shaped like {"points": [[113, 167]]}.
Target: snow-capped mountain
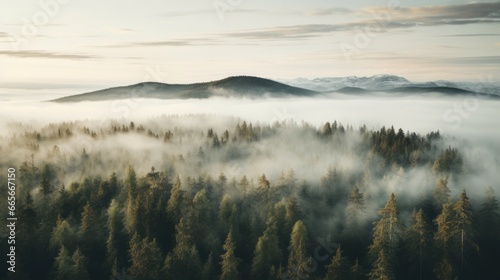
{"points": [[387, 82], [378, 82]]}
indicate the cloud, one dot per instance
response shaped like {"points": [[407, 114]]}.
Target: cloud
{"points": [[385, 19], [329, 11], [472, 35], [166, 43], [44, 54], [186, 13]]}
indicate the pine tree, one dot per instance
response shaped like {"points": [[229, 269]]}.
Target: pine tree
{"points": [[266, 251], [327, 129], [441, 192], [417, 240], [356, 271], [355, 211], [229, 261], [387, 233], [208, 272], [183, 262], [336, 270], [117, 240], [443, 241], [382, 269], [293, 214], [62, 265], [79, 268], [145, 258], [130, 181], [488, 225], [175, 204], [87, 226], [62, 235], [463, 229], [298, 258]]}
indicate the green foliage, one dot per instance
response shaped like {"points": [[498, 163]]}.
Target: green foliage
{"points": [[337, 269], [229, 261], [266, 251], [145, 258], [449, 161], [147, 223], [62, 265], [183, 262], [442, 192], [382, 269], [387, 233], [298, 258]]}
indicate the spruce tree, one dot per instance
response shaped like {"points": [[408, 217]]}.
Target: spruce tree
{"points": [[229, 263], [267, 251], [183, 262], [356, 271], [488, 231], [298, 258], [62, 265], [441, 193], [79, 267], [443, 241], [463, 230], [382, 269], [145, 258], [417, 240], [387, 233], [355, 211], [336, 270]]}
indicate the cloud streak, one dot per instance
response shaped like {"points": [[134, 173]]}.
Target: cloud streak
{"points": [[387, 19], [45, 54]]}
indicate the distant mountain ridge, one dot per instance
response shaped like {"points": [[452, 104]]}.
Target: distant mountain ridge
{"points": [[237, 86], [255, 87], [387, 82]]}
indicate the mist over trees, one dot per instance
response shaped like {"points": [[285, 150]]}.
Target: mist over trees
{"points": [[203, 197]]}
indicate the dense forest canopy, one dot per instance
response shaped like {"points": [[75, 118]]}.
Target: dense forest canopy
{"points": [[205, 197]]}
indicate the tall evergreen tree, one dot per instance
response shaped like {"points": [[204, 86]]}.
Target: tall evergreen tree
{"points": [[356, 271], [266, 251], [387, 233], [443, 241], [183, 262], [145, 258], [463, 230], [417, 240], [336, 270], [62, 235], [382, 269], [62, 265], [355, 211], [116, 242], [79, 267], [229, 261], [175, 204], [442, 193], [488, 231], [298, 258]]}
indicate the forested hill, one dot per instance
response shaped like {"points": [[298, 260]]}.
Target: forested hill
{"points": [[238, 86], [255, 87], [193, 198]]}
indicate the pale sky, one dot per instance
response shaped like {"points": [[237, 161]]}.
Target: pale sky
{"points": [[93, 44]]}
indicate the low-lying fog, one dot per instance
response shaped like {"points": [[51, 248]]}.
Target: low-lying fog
{"points": [[467, 118], [467, 123]]}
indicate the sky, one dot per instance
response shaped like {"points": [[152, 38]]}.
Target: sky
{"points": [[53, 45]]}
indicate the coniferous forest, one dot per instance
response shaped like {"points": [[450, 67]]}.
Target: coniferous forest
{"points": [[205, 197]]}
